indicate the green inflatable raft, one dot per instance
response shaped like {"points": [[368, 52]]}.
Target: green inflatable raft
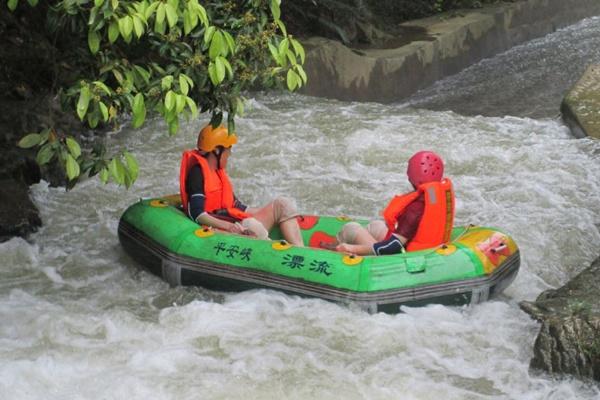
{"points": [[476, 265]]}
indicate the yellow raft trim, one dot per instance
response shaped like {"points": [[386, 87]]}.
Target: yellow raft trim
{"points": [[281, 245], [159, 203], [204, 232], [352, 260], [446, 250]]}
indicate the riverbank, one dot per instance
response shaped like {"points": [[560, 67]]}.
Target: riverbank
{"points": [[438, 46]]}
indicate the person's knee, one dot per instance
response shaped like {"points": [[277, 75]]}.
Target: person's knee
{"points": [[378, 229], [348, 233], [284, 208], [256, 227]]}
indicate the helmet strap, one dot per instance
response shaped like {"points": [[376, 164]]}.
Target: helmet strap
{"points": [[218, 152]]}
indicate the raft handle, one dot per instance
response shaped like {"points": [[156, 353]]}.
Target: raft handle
{"points": [[498, 249]]}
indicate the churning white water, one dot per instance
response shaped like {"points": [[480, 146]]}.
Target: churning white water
{"points": [[79, 320]]}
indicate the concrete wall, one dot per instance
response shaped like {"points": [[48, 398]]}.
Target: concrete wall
{"points": [[387, 75]]}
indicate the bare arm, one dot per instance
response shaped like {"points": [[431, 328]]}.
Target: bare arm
{"points": [[207, 219]]}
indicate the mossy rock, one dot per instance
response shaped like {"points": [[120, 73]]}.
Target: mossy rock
{"points": [[581, 106]]}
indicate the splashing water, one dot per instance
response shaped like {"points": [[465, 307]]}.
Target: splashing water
{"points": [[81, 321]]}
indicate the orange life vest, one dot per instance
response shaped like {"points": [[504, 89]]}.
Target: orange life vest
{"points": [[217, 186], [437, 221]]}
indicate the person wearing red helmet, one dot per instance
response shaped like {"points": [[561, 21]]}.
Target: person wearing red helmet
{"points": [[207, 194], [413, 221]]}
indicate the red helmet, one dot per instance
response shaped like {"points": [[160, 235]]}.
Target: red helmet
{"points": [[423, 167]]}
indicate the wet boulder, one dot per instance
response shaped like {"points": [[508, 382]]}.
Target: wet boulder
{"points": [[569, 338], [18, 215], [580, 108]]}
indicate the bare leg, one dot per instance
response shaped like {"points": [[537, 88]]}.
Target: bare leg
{"points": [[354, 233], [291, 232], [283, 212]]}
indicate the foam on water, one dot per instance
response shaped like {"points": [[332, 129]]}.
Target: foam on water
{"points": [[81, 321]]}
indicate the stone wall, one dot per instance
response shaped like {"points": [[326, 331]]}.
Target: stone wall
{"points": [[447, 45]]}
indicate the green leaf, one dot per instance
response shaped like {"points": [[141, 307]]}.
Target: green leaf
{"points": [[161, 13], [170, 100], [102, 86], [32, 3], [281, 27], [93, 119], [44, 136], [201, 13], [103, 175], [150, 10], [292, 80], [45, 154], [284, 45], [220, 69], [275, 10], [183, 85], [302, 74], [217, 45], [103, 110], [33, 139], [275, 54], [174, 126], [291, 57], [208, 34], [117, 170], [73, 147], [188, 79], [72, 168], [239, 106], [12, 4], [230, 41], [143, 73], [192, 106], [113, 31], [166, 82], [84, 102], [114, 4], [93, 41], [139, 110], [212, 73], [138, 26], [126, 27], [179, 103], [132, 165], [227, 67], [98, 3], [298, 49], [187, 22], [172, 16]]}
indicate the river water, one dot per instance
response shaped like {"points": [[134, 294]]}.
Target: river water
{"points": [[79, 320]]}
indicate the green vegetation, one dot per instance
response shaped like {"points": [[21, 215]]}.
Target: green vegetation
{"points": [[174, 58]]}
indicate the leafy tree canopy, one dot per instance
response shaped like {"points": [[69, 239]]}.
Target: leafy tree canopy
{"points": [[173, 58]]}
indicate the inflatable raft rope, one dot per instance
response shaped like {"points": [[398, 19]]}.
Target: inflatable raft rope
{"points": [[478, 263]]}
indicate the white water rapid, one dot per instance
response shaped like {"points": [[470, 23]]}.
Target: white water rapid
{"points": [[79, 320]]}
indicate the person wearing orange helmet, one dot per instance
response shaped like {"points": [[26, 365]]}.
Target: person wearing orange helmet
{"points": [[207, 194], [413, 221]]}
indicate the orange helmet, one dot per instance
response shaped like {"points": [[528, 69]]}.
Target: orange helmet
{"points": [[209, 138]]}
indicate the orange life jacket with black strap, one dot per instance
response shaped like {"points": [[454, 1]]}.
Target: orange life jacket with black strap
{"points": [[437, 221], [217, 186]]}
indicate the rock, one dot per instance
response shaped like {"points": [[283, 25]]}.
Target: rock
{"points": [[18, 215], [569, 339], [445, 45], [580, 108]]}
